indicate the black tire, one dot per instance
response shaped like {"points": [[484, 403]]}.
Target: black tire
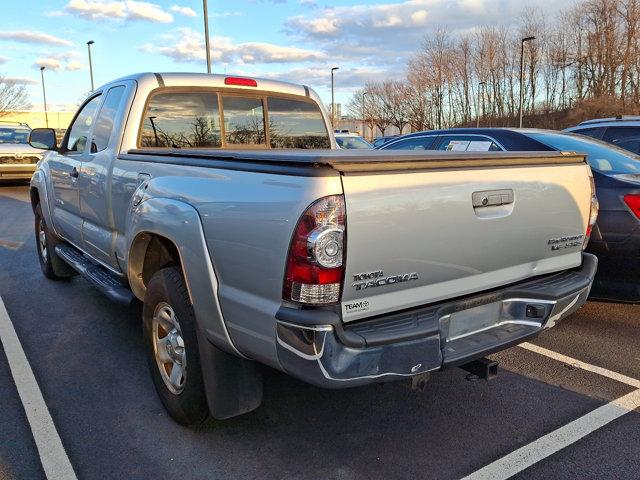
{"points": [[186, 403], [53, 267]]}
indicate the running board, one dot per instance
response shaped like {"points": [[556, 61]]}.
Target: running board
{"points": [[98, 276]]}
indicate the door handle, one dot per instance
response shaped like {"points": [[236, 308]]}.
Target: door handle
{"points": [[74, 172]]}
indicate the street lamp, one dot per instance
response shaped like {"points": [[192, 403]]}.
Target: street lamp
{"points": [[155, 131], [206, 35], [363, 123], [89, 43], [44, 94], [522, 42], [480, 92], [333, 105]]}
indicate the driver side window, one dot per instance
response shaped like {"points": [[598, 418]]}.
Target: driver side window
{"points": [[79, 131]]}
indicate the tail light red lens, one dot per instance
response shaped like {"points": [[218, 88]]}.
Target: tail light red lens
{"points": [[633, 202], [315, 264]]}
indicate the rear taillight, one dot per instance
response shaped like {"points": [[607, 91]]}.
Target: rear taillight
{"points": [[593, 212], [314, 267], [633, 202]]}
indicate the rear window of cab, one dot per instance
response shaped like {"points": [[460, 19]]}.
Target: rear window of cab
{"points": [[212, 119]]}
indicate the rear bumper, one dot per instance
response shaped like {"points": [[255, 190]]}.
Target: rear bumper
{"points": [[314, 346]]}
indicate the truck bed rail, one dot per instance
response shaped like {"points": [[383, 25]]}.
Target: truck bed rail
{"points": [[350, 161]]}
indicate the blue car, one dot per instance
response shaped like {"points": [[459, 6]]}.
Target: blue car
{"points": [[615, 239]]}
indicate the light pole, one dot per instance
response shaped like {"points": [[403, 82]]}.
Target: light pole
{"points": [[333, 105], [363, 123], [155, 132], [522, 42], [206, 35], [480, 92], [44, 95], [89, 43]]}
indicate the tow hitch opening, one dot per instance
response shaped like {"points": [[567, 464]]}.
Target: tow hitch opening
{"points": [[482, 368]]}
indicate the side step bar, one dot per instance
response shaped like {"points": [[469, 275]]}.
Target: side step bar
{"points": [[97, 275]]}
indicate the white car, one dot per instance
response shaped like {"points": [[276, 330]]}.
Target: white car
{"points": [[18, 159], [351, 140]]}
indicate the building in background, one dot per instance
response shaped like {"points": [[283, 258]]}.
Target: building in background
{"points": [[58, 120], [355, 126]]}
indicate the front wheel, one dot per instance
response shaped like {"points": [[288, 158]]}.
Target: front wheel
{"points": [[169, 328], [53, 267]]}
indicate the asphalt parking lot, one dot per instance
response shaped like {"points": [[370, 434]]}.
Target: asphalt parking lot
{"points": [[87, 357]]}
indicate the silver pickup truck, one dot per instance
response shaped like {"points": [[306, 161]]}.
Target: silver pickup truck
{"points": [[224, 206]]}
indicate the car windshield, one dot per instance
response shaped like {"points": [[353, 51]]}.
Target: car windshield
{"points": [[353, 142], [13, 135], [602, 157]]}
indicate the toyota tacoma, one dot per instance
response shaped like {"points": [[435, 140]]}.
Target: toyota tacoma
{"points": [[223, 204]]}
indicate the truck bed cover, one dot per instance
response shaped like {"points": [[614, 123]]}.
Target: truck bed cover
{"points": [[358, 161]]}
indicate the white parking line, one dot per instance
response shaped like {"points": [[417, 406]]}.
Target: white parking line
{"points": [[538, 450], [551, 443], [53, 457], [582, 365]]}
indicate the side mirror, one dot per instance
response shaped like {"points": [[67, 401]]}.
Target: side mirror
{"points": [[43, 138]]}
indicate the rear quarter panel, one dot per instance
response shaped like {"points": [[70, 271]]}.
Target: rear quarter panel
{"points": [[247, 219]]}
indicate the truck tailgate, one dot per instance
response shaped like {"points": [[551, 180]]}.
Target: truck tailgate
{"points": [[421, 236]]}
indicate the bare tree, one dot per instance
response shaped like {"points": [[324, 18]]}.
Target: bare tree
{"points": [[587, 59], [13, 96]]}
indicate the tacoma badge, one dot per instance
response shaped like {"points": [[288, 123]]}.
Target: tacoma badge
{"points": [[378, 279]]}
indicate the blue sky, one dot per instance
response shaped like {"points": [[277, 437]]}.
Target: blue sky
{"points": [[295, 40]]}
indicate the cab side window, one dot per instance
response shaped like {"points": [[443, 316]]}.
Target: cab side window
{"points": [[296, 124], [623, 137], [416, 143], [104, 122], [593, 132], [182, 120], [79, 131], [243, 120]]}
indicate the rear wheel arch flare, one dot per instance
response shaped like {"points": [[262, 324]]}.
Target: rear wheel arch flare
{"points": [[148, 254]]}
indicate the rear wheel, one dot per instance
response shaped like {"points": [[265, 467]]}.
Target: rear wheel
{"points": [[53, 267], [172, 347]]}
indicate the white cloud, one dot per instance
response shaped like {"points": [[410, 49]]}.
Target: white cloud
{"points": [[49, 63], [118, 10], [147, 11], [187, 45], [69, 61], [320, 76], [388, 33], [337, 20], [19, 80], [189, 12], [4, 59], [33, 36], [74, 65], [93, 9]]}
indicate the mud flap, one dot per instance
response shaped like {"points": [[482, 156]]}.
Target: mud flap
{"points": [[233, 385]]}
